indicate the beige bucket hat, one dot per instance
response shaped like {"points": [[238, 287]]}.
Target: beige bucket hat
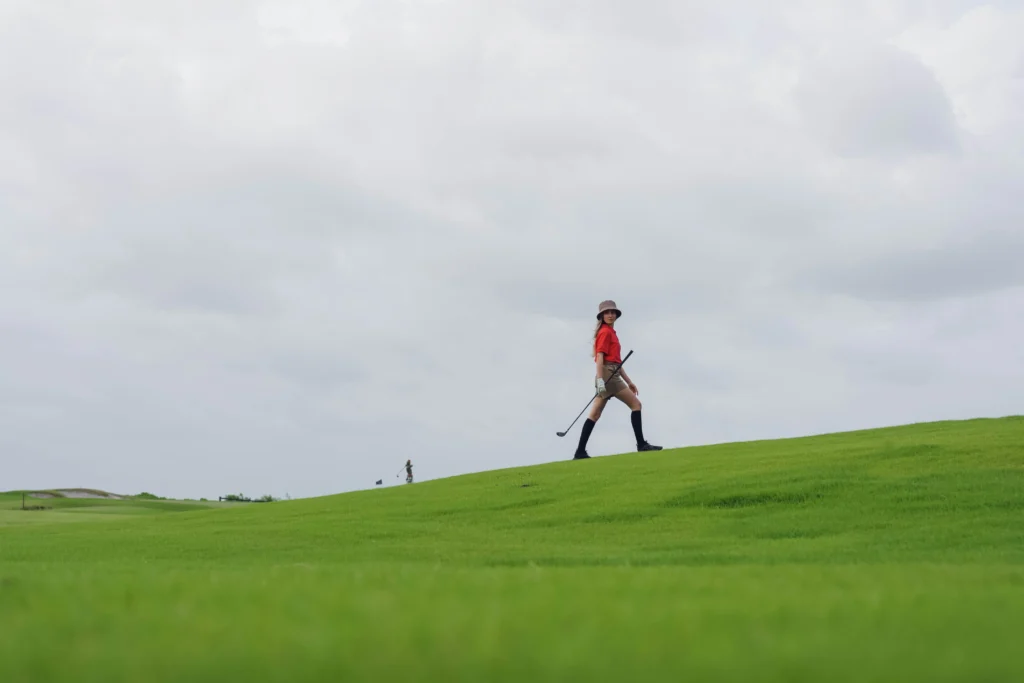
{"points": [[608, 305]]}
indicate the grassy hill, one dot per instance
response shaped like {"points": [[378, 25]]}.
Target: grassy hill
{"points": [[891, 554], [81, 505]]}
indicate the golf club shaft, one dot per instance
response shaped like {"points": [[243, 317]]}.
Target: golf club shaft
{"points": [[595, 394]]}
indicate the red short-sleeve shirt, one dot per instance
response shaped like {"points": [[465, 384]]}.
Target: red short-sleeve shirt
{"points": [[607, 342]]}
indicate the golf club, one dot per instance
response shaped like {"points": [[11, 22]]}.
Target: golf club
{"points": [[595, 395]]}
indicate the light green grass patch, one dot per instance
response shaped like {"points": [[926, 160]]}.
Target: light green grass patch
{"points": [[881, 555], [55, 509]]}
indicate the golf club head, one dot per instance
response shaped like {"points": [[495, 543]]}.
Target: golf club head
{"points": [[560, 433]]}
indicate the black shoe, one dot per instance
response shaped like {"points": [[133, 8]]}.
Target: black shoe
{"points": [[647, 447], [580, 455]]}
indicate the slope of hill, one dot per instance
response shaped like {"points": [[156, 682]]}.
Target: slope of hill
{"points": [[891, 554], [81, 505]]}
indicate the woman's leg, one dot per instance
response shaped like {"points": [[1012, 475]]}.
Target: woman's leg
{"points": [[633, 401], [588, 426], [629, 398]]}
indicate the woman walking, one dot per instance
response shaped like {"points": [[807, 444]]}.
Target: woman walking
{"points": [[608, 357]]}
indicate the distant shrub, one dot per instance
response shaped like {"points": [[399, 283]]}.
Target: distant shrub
{"points": [[237, 498], [242, 498], [149, 496]]}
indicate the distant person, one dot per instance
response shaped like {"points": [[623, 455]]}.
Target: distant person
{"points": [[607, 357], [408, 471]]}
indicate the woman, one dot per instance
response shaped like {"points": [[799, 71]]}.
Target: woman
{"points": [[608, 356]]}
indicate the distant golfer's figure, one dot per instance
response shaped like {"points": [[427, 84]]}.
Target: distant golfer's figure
{"points": [[608, 357], [408, 471]]}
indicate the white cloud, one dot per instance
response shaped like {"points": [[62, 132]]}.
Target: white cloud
{"points": [[282, 247]]}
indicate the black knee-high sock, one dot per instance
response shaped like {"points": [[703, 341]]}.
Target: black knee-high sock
{"points": [[588, 427], [638, 429]]}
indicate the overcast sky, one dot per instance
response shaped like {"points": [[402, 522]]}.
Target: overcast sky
{"points": [[281, 247]]}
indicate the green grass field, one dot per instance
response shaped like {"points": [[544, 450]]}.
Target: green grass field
{"points": [[884, 555]]}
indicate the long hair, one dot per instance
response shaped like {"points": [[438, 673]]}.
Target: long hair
{"points": [[593, 344]]}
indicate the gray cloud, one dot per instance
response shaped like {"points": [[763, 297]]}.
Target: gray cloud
{"points": [[878, 101], [282, 247], [992, 261]]}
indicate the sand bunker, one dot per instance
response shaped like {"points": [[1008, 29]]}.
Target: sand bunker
{"points": [[77, 493]]}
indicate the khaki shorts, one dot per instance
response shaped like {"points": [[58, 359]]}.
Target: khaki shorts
{"points": [[617, 384]]}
